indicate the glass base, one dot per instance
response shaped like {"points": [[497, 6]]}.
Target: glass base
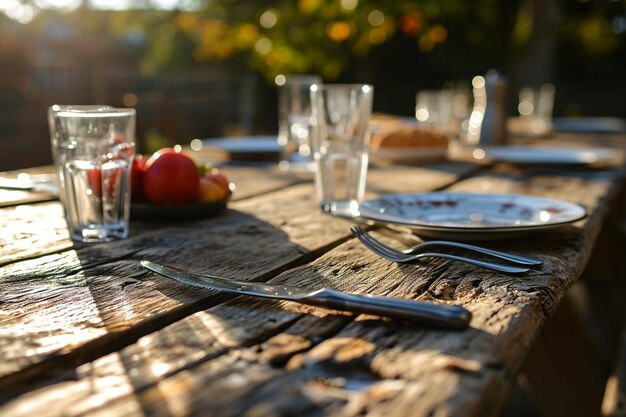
{"points": [[349, 208], [99, 233]]}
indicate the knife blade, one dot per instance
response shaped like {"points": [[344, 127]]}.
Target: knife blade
{"points": [[421, 312], [17, 184]]}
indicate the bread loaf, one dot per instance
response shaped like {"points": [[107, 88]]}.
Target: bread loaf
{"points": [[408, 138]]}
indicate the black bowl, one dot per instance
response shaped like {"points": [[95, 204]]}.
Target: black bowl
{"points": [[156, 212]]}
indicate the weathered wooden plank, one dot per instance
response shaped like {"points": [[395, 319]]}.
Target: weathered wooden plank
{"points": [[480, 363], [255, 180], [284, 227], [593, 190], [32, 230], [198, 338], [83, 294], [441, 280], [387, 349], [9, 198], [38, 229], [411, 179], [15, 197], [377, 357]]}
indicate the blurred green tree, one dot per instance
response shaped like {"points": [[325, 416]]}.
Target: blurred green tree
{"points": [[330, 37]]}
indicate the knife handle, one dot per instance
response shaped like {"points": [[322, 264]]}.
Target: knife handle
{"points": [[423, 312]]}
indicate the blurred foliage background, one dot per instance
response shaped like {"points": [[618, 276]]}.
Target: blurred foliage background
{"points": [[196, 68]]}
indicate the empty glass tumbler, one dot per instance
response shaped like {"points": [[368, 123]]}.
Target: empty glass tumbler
{"points": [[294, 122], [340, 142], [93, 148]]}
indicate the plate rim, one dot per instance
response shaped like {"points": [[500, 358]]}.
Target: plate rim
{"points": [[589, 124], [266, 139], [473, 229], [602, 155]]}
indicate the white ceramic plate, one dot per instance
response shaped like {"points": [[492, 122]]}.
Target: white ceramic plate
{"points": [[549, 155], [241, 148], [589, 124], [252, 144], [466, 215]]}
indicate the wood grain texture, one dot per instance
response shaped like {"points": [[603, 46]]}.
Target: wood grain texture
{"points": [[32, 230], [9, 198], [277, 229], [37, 229], [367, 360], [70, 298], [412, 179], [249, 182], [286, 359], [15, 197], [83, 331]]}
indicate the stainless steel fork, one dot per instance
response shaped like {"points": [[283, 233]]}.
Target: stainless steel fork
{"points": [[399, 257], [515, 258]]}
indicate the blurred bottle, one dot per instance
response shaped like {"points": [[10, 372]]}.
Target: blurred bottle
{"points": [[487, 123]]}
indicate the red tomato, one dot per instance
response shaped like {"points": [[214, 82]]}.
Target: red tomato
{"points": [[170, 178], [94, 178], [136, 178]]}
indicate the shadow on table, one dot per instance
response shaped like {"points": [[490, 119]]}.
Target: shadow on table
{"points": [[187, 328], [157, 330]]}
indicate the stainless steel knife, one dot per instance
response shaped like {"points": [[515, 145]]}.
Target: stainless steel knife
{"points": [[17, 184], [453, 317]]}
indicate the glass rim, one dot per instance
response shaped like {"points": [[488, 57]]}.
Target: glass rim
{"points": [[365, 88], [90, 111], [301, 78]]}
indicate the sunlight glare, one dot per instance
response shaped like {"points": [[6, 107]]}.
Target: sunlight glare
{"points": [[159, 368], [13, 9], [376, 18], [196, 145], [66, 5], [349, 4], [478, 154], [544, 216], [280, 79], [268, 19], [25, 13], [263, 46]]}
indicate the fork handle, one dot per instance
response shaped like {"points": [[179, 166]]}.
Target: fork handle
{"points": [[510, 269], [452, 317], [507, 256]]}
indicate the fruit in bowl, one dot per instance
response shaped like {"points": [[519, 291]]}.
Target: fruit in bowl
{"points": [[172, 178], [213, 187]]}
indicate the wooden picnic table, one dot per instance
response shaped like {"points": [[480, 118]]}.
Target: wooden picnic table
{"points": [[84, 330]]}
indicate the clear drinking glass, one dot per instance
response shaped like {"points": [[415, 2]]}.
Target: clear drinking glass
{"points": [[535, 108], [294, 122], [434, 109], [340, 142], [93, 148]]}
